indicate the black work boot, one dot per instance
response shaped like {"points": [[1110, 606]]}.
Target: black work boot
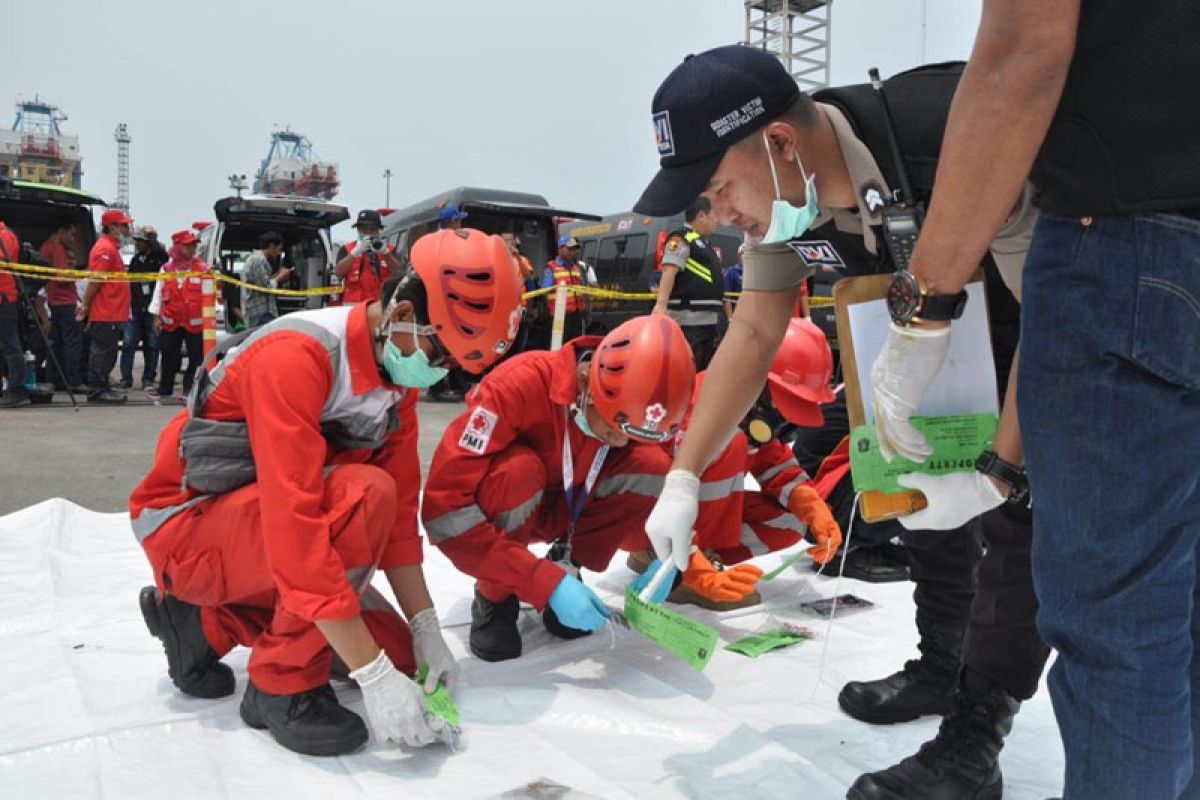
{"points": [[494, 635], [961, 763], [194, 667], [886, 563], [924, 686], [313, 723]]}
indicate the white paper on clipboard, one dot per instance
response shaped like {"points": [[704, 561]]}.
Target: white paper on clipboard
{"points": [[967, 381]]}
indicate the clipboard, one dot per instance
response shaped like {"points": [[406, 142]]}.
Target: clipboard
{"points": [[874, 505]]}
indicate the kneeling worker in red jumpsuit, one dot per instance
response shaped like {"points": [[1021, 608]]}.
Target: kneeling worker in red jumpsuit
{"points": [[556, 447], [735, 524], [292, 477]]}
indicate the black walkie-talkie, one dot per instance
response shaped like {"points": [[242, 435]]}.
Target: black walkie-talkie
{"points": [[902, 216]]}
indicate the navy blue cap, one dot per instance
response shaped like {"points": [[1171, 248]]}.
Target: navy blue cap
{"points": [[449, 214], [708, 103]]}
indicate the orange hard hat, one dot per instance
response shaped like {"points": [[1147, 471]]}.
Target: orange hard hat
{"points": [[641, 377], [800, 374], [474, 296]]}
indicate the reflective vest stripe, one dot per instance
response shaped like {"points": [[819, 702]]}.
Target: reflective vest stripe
{"points": [[692, 265]]}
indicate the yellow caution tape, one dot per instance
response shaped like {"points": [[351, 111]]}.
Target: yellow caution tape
{"points": [[34, 270]]}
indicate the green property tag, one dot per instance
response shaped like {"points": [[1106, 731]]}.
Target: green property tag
{"points": [[439, 702], [690, 640], [787, 562], [957, 441], [757, 644]]}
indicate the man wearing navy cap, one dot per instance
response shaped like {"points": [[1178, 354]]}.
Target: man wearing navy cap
{"points": [[793, 173]]}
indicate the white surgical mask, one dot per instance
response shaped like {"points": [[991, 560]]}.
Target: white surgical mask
{"points": [[787, 221]]}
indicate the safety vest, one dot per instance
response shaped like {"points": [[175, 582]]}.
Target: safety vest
{"points": [[365, 279], [699, 286], [569, 275], [183, 298]]}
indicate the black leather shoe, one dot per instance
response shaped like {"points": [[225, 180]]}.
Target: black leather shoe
{"points": [[11, 400], [494, 635], [107, 396], [194, 667], [313, 723], [961, 763], [887, 563], [902, 696]]}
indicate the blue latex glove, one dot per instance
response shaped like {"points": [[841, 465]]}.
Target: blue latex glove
{"points": [[643, 580], [577, 606]]}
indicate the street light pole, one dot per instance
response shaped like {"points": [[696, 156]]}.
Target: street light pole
{"points": [[387, 179]]}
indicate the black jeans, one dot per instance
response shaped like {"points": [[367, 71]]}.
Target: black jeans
{"points": [[10, 347], [703, 340], [979, 576], [66, 336], [103, 356], [170, 346]]}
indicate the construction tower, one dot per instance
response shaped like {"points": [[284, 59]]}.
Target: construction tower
{"points": [[37, 150], [123, 139], [795, 31]]}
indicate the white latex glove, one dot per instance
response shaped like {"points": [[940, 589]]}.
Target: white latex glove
{"points": [[431, 650], [669, 525], [360, 247], [908, 363], [395, 705], [954, 499]]}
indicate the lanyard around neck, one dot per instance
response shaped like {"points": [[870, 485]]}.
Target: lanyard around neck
{"points": [[575, 504]]}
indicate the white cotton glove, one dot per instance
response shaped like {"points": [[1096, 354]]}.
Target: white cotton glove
{"points": [[430, 649], [395, 705], [360, 247], [669, 525], [954, 499], [908, 363]]}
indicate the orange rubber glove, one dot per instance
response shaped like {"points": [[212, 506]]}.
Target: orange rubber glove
{"points": [[732, 584], [809, 508]]}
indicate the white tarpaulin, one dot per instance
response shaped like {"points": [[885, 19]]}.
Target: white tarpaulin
{"points": [[88, 710]]}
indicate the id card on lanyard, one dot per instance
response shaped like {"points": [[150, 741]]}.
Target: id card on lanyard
{"points": [[575, 504]]}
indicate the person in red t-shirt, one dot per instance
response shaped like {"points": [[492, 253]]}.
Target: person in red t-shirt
{"points": [[10, 315], [105, 306], [63, 299], [364, 266]]}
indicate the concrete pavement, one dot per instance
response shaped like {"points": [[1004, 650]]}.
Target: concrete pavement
{"points": [[95, 456]]}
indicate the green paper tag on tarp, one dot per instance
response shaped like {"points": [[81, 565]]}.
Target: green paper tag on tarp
{"points": [[956, 440], [439, 702], [692, 641], [756, 644]]}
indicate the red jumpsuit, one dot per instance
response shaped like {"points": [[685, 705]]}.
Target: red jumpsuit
{"points": [[496, 481], [334, 498]]}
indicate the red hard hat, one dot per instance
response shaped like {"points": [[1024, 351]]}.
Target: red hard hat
{"points": [[800, 374], [641, 377], [474, 296]]}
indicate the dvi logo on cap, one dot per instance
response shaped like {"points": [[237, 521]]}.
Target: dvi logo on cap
{"points": [[663, 138]]}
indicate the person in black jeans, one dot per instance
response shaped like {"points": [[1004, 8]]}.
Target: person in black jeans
{"points": [[139, 329], [177, 308], [10, 336]]}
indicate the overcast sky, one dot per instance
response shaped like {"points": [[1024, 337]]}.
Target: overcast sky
{"points": [[528, 95]]}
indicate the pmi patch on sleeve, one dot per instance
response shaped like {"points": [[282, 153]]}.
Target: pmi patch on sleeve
{"points": [[818, 254], [478, 433]]}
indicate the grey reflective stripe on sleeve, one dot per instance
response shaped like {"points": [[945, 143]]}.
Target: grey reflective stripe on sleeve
{"points": [[719, 490], [515, 517], [454, 523], [775, 470], [630, 483], [373, 600], [359, 578], [151, 519], [786, 491], [787, 522]]}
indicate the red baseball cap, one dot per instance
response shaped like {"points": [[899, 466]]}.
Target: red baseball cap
{"points": [[184, 237], [115, 216]]}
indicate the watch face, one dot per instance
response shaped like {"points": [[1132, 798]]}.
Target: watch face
{"points": [[903, 297]]}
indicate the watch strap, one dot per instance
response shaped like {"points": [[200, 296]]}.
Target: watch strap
{"points": [[942, 307]]}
